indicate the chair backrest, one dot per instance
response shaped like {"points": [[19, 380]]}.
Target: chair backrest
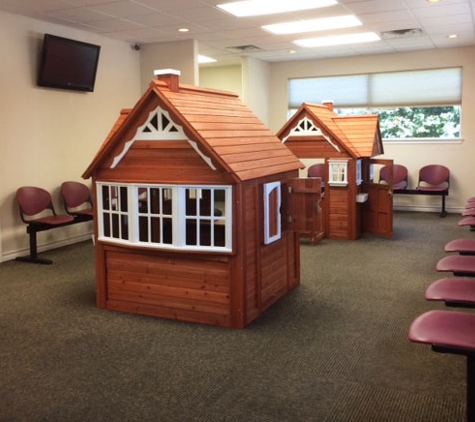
{"points": [[399, 175], [75, 194], [317, 170], [435, 175], [33, 201]]}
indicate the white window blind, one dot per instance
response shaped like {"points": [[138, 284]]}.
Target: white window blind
{"points": [[408, 88], [417, 88], [344, 91]]}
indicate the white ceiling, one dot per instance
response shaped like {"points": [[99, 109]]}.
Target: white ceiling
{"points": [[151, 21]]}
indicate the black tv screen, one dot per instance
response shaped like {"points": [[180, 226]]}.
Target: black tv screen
{"points": [[68, 64]]}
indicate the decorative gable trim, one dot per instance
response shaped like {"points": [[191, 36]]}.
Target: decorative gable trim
{"points": [[159, 127], [305, 127]]}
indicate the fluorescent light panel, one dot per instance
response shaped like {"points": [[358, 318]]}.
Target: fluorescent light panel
{"points": [[205, 59], [338, 40], [269, 7], [311, 25]]}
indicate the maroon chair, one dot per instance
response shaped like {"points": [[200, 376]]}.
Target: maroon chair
{"points": [[434, 178], [318, 170], [400, 176], [455, 291], [450, 332], [37, 211], [459, 265], [468, 221], [461, 246], [77, 200]]}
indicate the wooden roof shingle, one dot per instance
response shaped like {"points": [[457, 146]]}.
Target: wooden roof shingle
{"points": [[359, 135], [221, 124]]}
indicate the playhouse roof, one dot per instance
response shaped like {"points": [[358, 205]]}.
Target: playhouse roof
{"points": [[359, 135], [219, 122]]}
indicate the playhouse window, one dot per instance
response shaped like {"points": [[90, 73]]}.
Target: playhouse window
{"points": [[359, 172], [338, 173], [164, 216], [272, 207]]}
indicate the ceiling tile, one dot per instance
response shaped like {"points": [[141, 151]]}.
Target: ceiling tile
{"points": [[150, 21]]}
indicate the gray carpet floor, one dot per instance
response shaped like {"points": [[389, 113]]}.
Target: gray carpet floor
{"points": [[334, 350]]}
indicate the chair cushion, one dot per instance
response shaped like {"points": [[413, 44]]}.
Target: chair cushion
{"points": [[430, 189], [458, 290], [468, 221], [54, 220], [457, 264], [445, 328], [462, 246], [88, 211]]}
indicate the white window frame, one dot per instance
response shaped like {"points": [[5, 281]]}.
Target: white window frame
{"points": [[338, 172], [177, 215], [275, 219], [359, 172]]}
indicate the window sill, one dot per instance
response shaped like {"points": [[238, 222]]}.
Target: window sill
{"points": [[406, 141]]}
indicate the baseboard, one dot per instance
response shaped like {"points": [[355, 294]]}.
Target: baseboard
{"points": [[48, 246]]}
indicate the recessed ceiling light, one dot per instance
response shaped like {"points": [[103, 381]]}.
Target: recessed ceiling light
{"points": [[268, 7], [338, 40], [434, 1], [183, 30], [451, 36], [205, 59], [310, 25]]}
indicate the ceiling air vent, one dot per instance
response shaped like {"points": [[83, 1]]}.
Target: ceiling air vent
{"points": [[244, 48], [402, 33]]}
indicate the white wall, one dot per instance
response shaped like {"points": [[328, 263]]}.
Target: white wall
{"points": [[250, 81], [50, 135], [178, 55], [256, 75], [458, 157], [225, 78]]}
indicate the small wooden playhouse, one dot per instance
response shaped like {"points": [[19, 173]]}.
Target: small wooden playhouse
{"points": [[189, 187], [353, 201]]}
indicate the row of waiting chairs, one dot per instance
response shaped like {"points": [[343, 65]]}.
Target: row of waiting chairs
{"points": [[432, 177], [453, 331], [38, 213]]}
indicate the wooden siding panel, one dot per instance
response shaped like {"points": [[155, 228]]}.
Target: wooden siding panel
{"points": [[170, 175], [170, 313], [251, 238], [178, 284], [273, 272]]}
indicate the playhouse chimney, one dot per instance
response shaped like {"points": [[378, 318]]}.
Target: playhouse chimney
{"points": [[328, 104], [170, 76]]}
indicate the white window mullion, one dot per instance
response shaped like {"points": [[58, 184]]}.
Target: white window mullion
{"points": [[229, 217], [179, 229], [133, 218]]}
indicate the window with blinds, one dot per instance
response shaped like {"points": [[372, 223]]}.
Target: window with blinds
{"points": [[410, 104]]}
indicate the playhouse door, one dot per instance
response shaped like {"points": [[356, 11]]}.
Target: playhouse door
{"points": [[304, 208], [377, 210]]}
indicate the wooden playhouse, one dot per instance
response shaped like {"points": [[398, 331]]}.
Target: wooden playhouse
{"points": [[190, 196], [353, 202]]}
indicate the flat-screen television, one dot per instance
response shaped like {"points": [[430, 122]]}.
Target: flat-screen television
{"points": [[68, 64]]}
